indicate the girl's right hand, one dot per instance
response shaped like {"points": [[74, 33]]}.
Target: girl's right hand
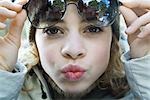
{"points": [[10, 43]]}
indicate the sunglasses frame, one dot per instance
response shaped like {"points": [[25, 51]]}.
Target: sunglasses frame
{"points": [[66, 4]]}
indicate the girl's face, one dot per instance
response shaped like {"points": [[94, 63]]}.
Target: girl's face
{"points": [[74, 53]]}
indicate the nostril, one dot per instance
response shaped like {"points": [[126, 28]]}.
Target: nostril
{"points": [[73, 52], [80, 55], [67, 55], [73, 56]]}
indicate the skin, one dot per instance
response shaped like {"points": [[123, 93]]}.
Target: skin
{"points": [[12, 39], [74, 45], [134, 20], [137, 17], [139, 40]]}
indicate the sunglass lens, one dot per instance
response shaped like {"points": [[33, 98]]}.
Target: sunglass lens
{"points": [[102, 12], [45, 13]]}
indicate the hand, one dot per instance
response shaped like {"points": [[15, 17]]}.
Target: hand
{"points": [[137, 17], [10, 43]]}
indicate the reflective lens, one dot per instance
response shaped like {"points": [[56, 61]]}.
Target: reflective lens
{"points": [[101, 12], [45, 13]]}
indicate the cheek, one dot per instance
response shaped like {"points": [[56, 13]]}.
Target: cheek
{"points": [[50, 56], [102, 55], [47, 56], [100, 52], [46, 53], [99, 58]]}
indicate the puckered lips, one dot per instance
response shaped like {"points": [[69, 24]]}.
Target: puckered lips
{"points": [[73, 72]]}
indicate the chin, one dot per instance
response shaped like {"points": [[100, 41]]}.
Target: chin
{"points": [[72, 91], [77, 92]]}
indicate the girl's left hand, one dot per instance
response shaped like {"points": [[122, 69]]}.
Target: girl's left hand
{"points": [[137, 17]]}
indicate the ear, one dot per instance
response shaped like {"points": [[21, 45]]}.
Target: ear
{"points": [[29, 56]]}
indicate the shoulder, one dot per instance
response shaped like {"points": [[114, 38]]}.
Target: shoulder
{"points": [[137, 73]]}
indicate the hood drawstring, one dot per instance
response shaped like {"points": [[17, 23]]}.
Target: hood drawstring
{"points": [[44, 95]]}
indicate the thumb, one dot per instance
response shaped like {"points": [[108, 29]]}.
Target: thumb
{"points": [[16, 27]]}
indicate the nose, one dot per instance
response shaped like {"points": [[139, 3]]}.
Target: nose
{"points": [[74, 49]]}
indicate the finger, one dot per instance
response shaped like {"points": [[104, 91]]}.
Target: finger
{"points": [[145, 31], [7, 13], [139, 11], [145, 4], [2, 25], [143, 20], [128, 15], [16, 27], [11, 6]]}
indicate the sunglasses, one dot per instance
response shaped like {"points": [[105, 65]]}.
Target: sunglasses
{"points": [[46, 13]]}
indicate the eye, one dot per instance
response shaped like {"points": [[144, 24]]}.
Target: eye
{"points": [[52, 31], [93, 29]]}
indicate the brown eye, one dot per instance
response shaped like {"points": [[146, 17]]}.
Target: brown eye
{"points": [[93, 29], [52, 31]]}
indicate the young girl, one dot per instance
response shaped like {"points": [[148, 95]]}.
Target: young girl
{"points": [[73, 51]]}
